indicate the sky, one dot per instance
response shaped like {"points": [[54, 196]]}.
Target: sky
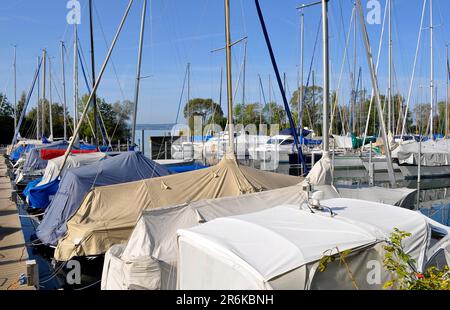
{"points": [[179, 32]]}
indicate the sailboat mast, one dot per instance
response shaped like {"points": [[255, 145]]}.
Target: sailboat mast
{"points": [[390, 118], [446, 92], [229, 77], [300, 87], [50, 103], [432, 73], [63, 77], [44, 98], [94, 100], [75, 81], [138, 71], [373, 75], [38, 126], [243, 77], [15, 88], [354, 80], [326, 77]]}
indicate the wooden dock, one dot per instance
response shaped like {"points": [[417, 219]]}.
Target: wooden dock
{"points": [[13, 253]]}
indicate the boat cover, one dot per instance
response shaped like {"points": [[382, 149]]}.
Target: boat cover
{"points": [[267, 249], [39, 195], [103, 220], [76, 183], [434, 153]]}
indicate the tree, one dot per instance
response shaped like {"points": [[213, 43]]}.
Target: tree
{"points": [[249, 114], [115, 117], [275, 114], [312, 107], [210, 112], [6, 120]]}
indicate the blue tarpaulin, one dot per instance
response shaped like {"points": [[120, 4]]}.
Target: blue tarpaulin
{"points": [[39, 196], [185, 168], [34, 160], [15, 155], [76, 183], [31, 185]]}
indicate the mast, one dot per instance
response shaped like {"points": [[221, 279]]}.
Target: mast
{"points": [[138, 71], [270, 100], [354, 82], [97, 83], [220, 90], [376, 93], [300, 87], [432, 73], [229, 78], [63, 77], [50, 103], [94, 100], [243, 79], [326, 77], [15, 88], [44, 98], [75, 81], [390, 122], [38, 127], [446, 93]]}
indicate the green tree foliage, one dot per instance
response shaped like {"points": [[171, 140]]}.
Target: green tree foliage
{"points": [[312, 107], [405, 277], [115, 117], [6, 120], [207, 109], [275, 114], [252, 113]]}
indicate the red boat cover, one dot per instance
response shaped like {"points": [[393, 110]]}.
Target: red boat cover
{"points": [[53, 153]]}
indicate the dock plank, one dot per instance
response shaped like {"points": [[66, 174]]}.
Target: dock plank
{"points": [[13, 252]]}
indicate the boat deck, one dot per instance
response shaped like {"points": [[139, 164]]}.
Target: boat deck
{"points": [[13, 252]]}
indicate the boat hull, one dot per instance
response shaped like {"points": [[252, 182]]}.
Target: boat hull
{"points": [[426, 172]]}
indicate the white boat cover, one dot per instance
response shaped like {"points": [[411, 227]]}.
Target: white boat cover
{"points": [[277, 248], [73, 160], [149, 258], [434, 153], [343, 142], [402, 197], [108, 214]]}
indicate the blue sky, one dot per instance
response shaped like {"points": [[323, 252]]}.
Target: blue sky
{"points": [[179, 32]]}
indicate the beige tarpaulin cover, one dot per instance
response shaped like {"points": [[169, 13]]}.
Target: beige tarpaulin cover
{"points": [[108, 214]]}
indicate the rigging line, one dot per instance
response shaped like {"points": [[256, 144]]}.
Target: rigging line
{"points": [[182, 95], [342, 70], [414, 68], [305, 91], [372, 97], [99, 114], [111, 59], [202, 17]]}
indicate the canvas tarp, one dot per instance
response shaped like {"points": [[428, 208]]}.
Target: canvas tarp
{"points": [[402, 197], [108, 214], [149, 258], [34, 160], [73, 160], [76, 183], [265, 250], [344, 142], [434, 153]]}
